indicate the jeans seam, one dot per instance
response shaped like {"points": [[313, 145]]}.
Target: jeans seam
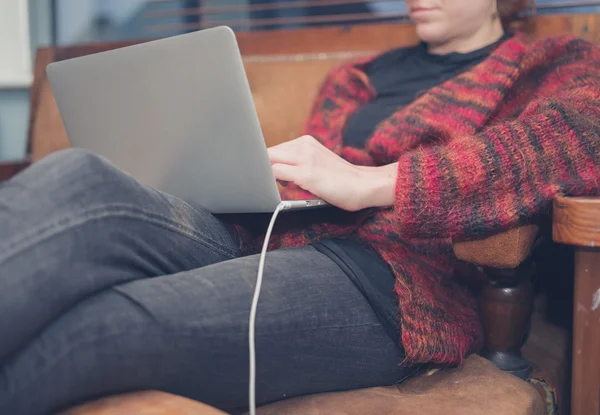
{"points": [[62, 224]]}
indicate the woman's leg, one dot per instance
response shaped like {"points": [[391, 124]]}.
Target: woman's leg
{"points": [[187, 334], [72, 225]]}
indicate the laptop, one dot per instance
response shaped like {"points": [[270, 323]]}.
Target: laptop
{"points": [[177, 114]]}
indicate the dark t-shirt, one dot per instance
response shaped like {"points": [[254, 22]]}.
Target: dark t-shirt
{"points": [[398, 77]]}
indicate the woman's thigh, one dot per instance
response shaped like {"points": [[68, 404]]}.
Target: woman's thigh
{"points": [[73, 225], [188, 334]]}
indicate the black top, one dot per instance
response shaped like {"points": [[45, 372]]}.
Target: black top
{"points": [[398, 77]]}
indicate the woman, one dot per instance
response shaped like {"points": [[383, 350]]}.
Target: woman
{"points": [[108, 286]]}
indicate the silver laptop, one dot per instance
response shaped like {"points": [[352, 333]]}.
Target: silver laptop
{"points": [[178, 115]]}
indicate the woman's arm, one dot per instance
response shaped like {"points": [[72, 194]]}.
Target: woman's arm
{"points": [[472, 185], [510, 172], [379, 186]]}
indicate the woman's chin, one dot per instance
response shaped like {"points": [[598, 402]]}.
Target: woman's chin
{"points": [[430, 33]]}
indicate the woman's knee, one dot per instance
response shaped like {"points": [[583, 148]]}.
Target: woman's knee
{"points": [[74, 165], [79, 177]]}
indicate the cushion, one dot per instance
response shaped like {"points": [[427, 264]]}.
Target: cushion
{"points": [[283, 106], [504, 250], [476, 388], [144, 403]]}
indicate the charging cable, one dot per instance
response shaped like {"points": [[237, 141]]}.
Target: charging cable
{"points": [[252, 329]]}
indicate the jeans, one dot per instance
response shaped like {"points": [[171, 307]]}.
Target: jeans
{"points": [[108, 286]]}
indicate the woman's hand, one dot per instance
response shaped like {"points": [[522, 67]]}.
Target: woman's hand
{"points": [[314, 168]]}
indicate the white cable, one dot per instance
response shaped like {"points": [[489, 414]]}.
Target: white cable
{"points": [[251, 330]]}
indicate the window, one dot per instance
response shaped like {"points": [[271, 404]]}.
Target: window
{"points": [[80, 21]]}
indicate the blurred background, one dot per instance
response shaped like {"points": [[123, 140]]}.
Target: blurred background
{"points": [[26, 25]]}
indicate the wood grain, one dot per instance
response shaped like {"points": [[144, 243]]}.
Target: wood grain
{"points": [[577, 221], [585, 389]]}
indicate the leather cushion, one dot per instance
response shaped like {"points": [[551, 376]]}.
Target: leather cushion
{"points": [[144, 403], [283, 94], [476, 388]]}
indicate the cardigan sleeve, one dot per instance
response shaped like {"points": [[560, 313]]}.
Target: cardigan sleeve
{"points": [[472, 186]]}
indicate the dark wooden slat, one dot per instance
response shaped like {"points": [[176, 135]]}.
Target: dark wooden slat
{"points": [[283, 5], [277, 22], [538, 6], [323, 19], [292, 4], [564, 4]]}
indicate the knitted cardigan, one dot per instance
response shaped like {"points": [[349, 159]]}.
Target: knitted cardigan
{"points": [[478, 154]]}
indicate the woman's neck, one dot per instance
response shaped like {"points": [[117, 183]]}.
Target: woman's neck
{"points": [[485, 36]]}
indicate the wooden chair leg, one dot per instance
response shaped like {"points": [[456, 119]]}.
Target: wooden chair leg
{"points": [[506, 309]]}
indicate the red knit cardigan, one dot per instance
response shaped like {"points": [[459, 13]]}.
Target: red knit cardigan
{"points": [[480, 153]]}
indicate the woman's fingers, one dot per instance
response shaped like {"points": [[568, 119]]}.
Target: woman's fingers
{"points": [[283, 154], [296, 151], [286, 172]]}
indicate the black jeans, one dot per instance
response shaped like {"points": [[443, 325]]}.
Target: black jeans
{"points": [[107, 286]]}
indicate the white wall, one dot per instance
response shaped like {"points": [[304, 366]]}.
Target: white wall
{"points": [[14, 102], [15, 57]]}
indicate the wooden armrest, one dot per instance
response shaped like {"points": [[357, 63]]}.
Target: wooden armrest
{"points": [[9, 169], [505, 250], [576, 221]]}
